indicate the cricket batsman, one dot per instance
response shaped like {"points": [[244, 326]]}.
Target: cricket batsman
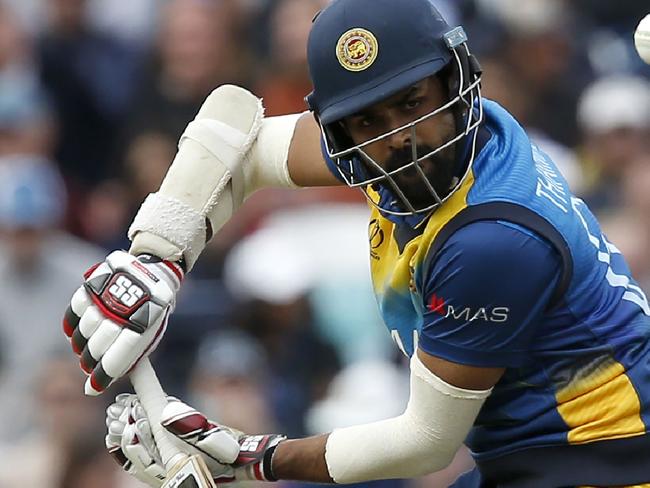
{"points": [[528, 338]]}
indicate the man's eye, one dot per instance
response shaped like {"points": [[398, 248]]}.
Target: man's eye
{"points": [[366, 122], [412, 104]]}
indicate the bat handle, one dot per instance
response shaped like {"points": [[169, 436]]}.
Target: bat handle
{"points": [[153, 400]]}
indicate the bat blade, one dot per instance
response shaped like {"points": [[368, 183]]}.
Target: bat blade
{"points": [[189, 473]]}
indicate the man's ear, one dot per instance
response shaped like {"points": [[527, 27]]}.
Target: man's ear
{"points": [[339, 135], [449, 79]]}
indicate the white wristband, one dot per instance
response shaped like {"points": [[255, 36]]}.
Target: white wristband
{"points": [[267, 160]]}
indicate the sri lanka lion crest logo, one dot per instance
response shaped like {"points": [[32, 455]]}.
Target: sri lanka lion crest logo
{"points": [[357, 49]]}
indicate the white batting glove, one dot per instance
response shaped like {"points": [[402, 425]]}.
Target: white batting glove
{"points": [[229, 454], [130, 440], [119, 314], [254, 454]]}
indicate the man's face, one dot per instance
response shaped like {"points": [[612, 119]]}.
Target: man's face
{"points": [[395, 151]]}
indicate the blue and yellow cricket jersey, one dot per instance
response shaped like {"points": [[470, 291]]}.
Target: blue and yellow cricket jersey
{"points": [[513, 271]]}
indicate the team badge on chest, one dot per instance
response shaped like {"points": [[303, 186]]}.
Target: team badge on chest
{"points": [[357, 49]]}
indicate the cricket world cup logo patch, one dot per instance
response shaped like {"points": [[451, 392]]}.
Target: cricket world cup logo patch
{"points": [[357, 49]]}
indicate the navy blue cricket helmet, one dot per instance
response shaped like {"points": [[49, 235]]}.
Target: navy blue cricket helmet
{"points": [[362, 51]]}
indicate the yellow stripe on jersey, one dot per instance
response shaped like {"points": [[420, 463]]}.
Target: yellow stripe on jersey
{"points": [[392, 269], [599, 404]]}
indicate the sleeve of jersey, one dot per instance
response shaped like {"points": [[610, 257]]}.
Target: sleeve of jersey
{"points": [[486, 293], [330, 164]]}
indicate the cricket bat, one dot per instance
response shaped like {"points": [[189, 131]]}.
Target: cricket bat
{"points": [[183, 470]]}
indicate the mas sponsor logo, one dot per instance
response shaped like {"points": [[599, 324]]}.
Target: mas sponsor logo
{"points": [[440, 306]]}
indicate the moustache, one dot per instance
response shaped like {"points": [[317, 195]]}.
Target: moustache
{"points": [[437, 169], [404, 156]]}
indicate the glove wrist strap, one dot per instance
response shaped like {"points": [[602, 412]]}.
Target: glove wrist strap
{"points": [[267, 464]]}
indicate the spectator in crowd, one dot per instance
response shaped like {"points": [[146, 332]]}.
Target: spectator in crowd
{"points": [[62, 416], [25, 124], [285, 82], [272, 283], [40, 267], [614, 116], [324, 308], [87, 465], [105, 213], [502, 85], [29, 13], [275, 263], [513, 35], [89, 78], [25, 118], [636, 188], [111, 205], [147, 159], [303, 363], [539, 41], [230, 377], [195, 52], [622, 15], [364, 391], [132, 22]]}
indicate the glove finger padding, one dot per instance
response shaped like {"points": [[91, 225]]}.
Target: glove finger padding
{"points": [[247, 457], [140, 450], [193, 427], [229, 454], [115, 423], [130, 441], [78, 304], [120, 314]]}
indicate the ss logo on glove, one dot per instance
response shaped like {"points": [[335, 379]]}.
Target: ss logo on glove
{"points": [[119, 314], [124, 291]]}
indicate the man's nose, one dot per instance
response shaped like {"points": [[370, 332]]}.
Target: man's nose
{"points": [[400, 140]]}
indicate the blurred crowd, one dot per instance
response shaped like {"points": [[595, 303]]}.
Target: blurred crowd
{"points": [[276, 328]]}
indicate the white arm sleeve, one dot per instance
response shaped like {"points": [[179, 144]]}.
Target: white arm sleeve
{"points": [[267, 161], [226, 153], [422, 440]]}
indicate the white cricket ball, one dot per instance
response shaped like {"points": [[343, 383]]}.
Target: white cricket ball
{"points": [[642, 39]]}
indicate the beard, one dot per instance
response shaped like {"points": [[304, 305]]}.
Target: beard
{"points": [[437, 169]]}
